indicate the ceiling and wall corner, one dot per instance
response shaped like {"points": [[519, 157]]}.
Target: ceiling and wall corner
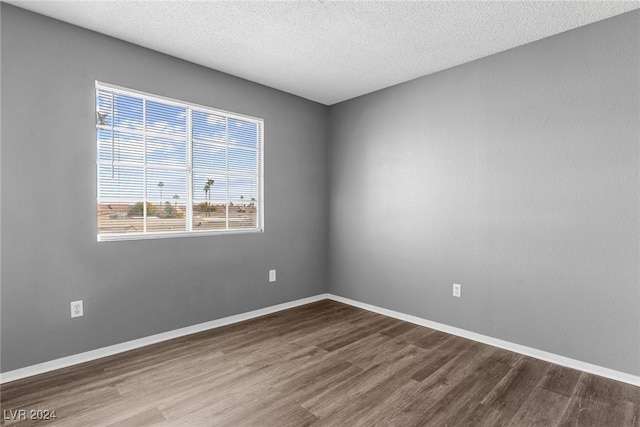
{"points": [[329, 51]]}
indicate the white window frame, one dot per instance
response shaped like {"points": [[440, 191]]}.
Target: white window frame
{"points": [[190, 107]]}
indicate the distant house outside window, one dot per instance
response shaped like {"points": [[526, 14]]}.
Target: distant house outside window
{"points": [[170, 168]]}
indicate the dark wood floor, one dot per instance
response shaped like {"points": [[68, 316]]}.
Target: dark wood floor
{"points": [[323, 364]]}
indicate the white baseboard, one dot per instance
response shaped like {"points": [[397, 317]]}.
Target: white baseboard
{"points": [[75, 359], [517, 348], [64, 362]]}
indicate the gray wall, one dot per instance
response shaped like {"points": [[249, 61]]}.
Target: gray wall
{"points": [[516, 175], [135, 289]]}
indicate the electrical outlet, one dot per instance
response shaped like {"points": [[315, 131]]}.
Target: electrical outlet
{"points": [[272, 275], [76, 309], [457, 290]]}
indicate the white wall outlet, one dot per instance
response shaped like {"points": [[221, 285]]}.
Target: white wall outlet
{"points": [[272, 275], [76, 309], [457, 290]]}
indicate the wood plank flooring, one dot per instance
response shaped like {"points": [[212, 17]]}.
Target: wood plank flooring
{"points": [[323, 364]]}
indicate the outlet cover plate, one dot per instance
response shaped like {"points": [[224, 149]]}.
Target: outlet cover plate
{"points": [[457, 290], [77, 309]]}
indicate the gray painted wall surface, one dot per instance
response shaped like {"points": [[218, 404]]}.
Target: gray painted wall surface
{"points": [[516, 175], [135, 289]]}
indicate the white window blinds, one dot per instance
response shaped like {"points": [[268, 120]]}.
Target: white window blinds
{"points": [[166, 168]]}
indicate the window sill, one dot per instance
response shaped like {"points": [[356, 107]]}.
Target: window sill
{"points": [[170, 235]]}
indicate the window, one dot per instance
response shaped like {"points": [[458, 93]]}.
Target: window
{"points": [[169, 168]]}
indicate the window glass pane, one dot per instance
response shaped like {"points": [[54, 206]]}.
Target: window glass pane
{"points": [[165, 189], [120, 206], [243, 160], [117, 218], [120, 184], [243, 215], [162, 185], [243, 133], [209, 216], [127, 111], [209, 187], [103, 108], [208, 126], [125, 147], [166, 119], [243, 189], [209, 157], [209, 202], [104, 145], [166, 152]]}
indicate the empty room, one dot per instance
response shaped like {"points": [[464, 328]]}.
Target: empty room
{"points": [[320, 213]]}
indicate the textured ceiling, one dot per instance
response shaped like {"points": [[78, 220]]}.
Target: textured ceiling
{"points": [[329, 51]]}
